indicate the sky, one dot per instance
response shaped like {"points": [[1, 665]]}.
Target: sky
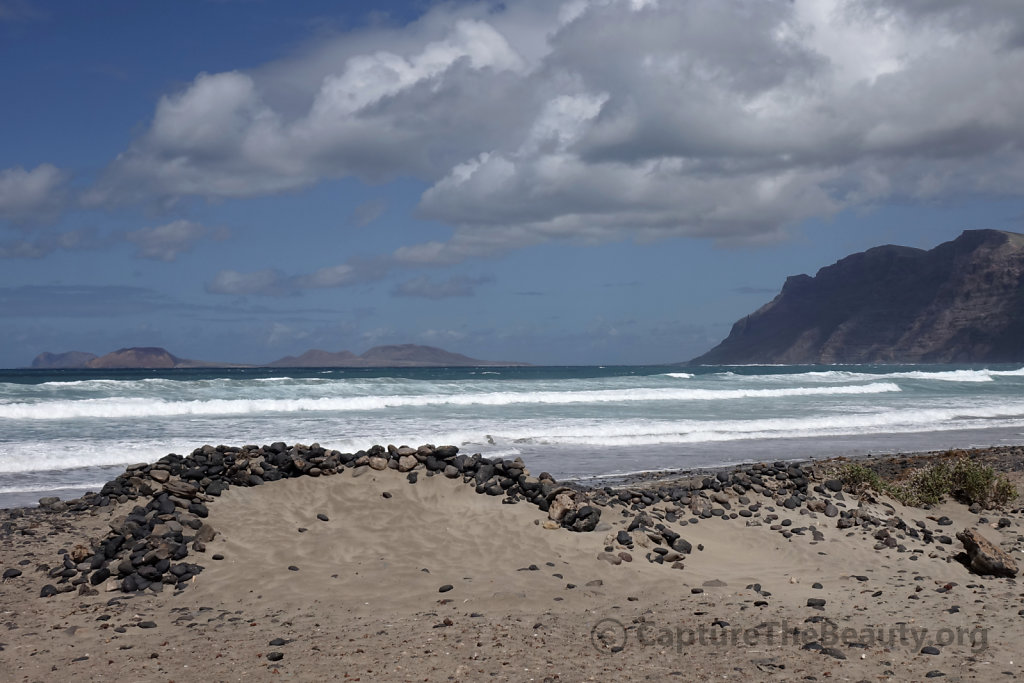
{"points": [[554, 182]]}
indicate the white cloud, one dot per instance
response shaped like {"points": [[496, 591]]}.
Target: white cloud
{"points": [[611, 119], [380, 114], [166, 242], [331, 276], [31, 196], [273, 282]]}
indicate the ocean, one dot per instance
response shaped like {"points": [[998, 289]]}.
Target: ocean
{"points": [[63, 432]]}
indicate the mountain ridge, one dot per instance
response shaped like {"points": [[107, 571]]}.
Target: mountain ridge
{"points": [[962, 301]]}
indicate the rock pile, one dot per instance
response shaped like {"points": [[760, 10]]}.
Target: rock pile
{"points": [[787, 483], [145, 549]]}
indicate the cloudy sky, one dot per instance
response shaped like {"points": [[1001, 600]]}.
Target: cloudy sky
{"points": [[559, 182]]}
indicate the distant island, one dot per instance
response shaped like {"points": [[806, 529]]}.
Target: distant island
{"points": [[961, 302], [389, 356], [153, 357]]}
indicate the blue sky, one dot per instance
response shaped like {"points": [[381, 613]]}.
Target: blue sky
{"points": [[577, 182]]}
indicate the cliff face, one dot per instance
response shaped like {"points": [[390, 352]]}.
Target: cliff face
{"points": [[962, 301]]}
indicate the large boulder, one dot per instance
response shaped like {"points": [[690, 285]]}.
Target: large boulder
{"points": [[986, 557]]}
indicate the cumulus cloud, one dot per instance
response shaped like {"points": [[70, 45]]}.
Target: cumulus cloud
{"points": [[598, 120], [425, 287], [166, 242], [379, 114], [31, 196]]}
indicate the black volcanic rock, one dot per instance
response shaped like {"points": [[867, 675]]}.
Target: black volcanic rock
{"points": [[70, 359], [962, 301]]}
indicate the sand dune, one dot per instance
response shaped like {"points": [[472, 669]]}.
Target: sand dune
{"points": [[526, 603]]}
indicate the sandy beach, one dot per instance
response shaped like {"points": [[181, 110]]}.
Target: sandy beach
{"points": [[364, 575]]}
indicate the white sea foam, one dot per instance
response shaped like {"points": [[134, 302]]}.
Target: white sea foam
{"points": [[76, 454], [642, 432], [983, 375], [59, 456], [678, 375], [26, 488], [109, 408]]}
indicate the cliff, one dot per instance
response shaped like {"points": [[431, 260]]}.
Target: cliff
{"points": [[961, 302]]}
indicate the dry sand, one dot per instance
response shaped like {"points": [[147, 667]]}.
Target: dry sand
{"points": [[357, 597]]}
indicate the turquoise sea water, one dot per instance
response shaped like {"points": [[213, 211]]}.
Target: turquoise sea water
{"points": [[66, 431]]}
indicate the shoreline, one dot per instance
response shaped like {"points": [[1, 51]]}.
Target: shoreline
{"points": [[644, 476], [374, 572]]}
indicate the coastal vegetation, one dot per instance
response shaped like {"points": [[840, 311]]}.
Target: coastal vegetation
{"points": [[956, 477]]}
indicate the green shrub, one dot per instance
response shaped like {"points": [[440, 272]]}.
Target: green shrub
{"points": [[1004, 492], [904, 494], [858, 476], [972, 482], [964, 479], [931, 484]]}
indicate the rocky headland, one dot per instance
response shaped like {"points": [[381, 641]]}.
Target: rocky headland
{"points": [[961, 302]]}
